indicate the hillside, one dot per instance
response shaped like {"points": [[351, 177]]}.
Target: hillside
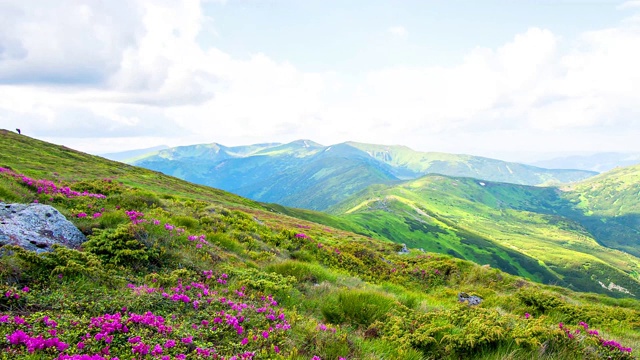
{"points": [[608, 206], [539, 233], [308, 175], [180, 271]]}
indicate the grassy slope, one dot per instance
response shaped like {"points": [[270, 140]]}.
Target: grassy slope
{"points": [[607, 205], [39, 159], [519, 229], [380, 303]]}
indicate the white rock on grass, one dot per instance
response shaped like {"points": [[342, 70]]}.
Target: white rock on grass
{"points": [[36, 227]]}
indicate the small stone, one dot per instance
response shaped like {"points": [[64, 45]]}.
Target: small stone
{"points": [[404, 249], [469, 299]]}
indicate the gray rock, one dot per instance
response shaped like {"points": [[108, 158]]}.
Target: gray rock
{"points": [[404, 249], [469, 299], [36, 227]]}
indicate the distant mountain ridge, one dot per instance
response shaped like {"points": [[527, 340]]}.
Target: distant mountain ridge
{"points": [[126, 155], [309, 175], [599, 162]]}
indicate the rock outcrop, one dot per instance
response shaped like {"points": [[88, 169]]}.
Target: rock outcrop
{"points": [[36, 227]]}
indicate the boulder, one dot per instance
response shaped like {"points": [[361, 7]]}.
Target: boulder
{"points": [[469, 299], [36, 227]]}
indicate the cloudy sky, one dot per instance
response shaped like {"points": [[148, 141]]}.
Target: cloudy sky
{"points": [[517, 80]]}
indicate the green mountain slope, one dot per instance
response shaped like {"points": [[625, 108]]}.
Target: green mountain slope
{"points": [[308, 175], [173, 269], [608, 206], [530, 231], [302, 173]]}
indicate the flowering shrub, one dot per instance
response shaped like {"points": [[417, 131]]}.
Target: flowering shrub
{"points": [[593, 342], [204, 319]]}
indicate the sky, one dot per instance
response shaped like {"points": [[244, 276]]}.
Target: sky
{"points": [[516, 80]]}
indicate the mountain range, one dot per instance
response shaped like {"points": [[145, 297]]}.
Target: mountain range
{"points": [[578, 230], [308, 175], [165, 252]]}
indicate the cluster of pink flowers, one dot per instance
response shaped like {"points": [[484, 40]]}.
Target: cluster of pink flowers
{"points": [[323, 327], [12, 294], [608, 344], [612, 344], [233, 315], [83, 357], [34, 343], [258, 322], [48, 186], [136, 217], [201, 239], [82, 215]]}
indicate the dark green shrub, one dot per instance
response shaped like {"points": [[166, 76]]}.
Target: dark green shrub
{"points": [[185, 222], [269, 283], [539, 300], [117, 246], [27, 266]]}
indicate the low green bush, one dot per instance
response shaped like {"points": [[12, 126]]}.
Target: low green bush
{"points": [[117, 246]]}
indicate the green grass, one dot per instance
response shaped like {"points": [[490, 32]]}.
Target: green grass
{"points": [[357, 307]]}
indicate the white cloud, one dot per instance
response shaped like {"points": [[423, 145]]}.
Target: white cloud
{"points": [[64, 42], [629, 4], [400, 31], [137, 77]]}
